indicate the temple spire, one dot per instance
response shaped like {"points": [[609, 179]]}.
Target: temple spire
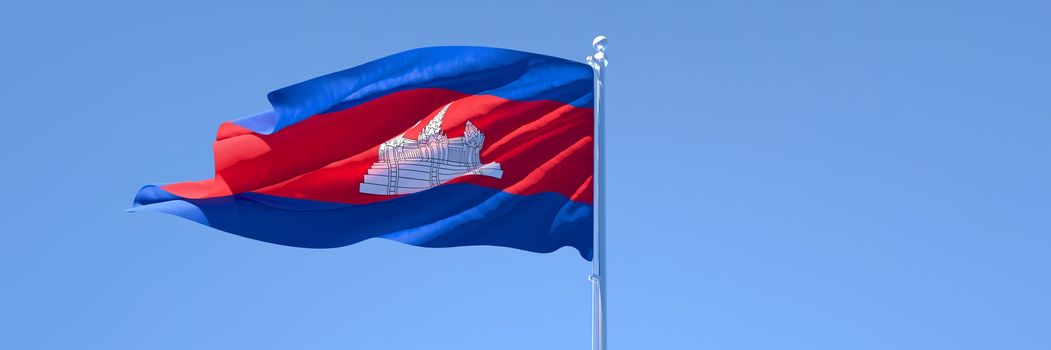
{"points": [[434, 127], [472, 136]]}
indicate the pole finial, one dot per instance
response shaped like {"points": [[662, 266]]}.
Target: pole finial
{"points": [[598, 60], [600, 43]]}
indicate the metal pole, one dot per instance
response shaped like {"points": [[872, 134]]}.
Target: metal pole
{"points": [[598, 277]]}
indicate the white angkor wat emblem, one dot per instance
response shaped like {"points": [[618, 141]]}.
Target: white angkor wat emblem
{"points": [[409, 166]]}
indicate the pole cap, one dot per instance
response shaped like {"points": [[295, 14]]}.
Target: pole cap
{"points": [[600, 43]]}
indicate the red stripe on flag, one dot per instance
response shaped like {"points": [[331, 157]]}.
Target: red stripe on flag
{"points": [[542, 146]]}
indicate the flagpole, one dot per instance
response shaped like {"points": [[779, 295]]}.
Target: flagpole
{"points": [[598, 276]]}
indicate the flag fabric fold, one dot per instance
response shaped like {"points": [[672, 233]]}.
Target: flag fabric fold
{"points": [[434, 147]]}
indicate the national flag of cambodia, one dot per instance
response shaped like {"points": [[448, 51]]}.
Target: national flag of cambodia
{"points": [[434, 147]]}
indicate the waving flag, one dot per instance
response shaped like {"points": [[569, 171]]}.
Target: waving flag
{"points": [[434, 147]]}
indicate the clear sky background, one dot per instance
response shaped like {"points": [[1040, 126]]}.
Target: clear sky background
{"points": [[782, 175]]}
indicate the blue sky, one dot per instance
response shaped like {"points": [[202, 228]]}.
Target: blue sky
{"points": [[782, 175]]}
